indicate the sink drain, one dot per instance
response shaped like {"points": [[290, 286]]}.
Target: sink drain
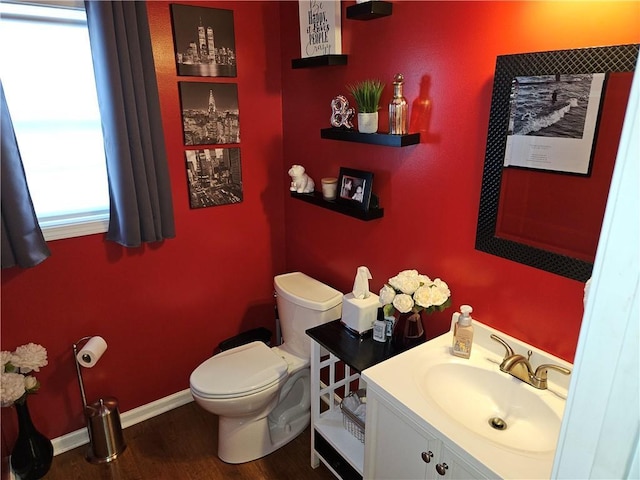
{"points": [[498, 423]]}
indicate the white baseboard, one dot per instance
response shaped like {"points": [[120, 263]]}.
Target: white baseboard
{"points": [[140, 414]]}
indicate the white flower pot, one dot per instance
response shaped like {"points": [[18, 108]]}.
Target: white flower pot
{"points": [[368, 122]]}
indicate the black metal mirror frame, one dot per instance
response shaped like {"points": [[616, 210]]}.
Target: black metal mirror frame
{"points": [[618, 58]]}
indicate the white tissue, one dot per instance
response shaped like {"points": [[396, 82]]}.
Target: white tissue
{"points": [[361, 412], [361, 283], [92, 351], [356, 405]]}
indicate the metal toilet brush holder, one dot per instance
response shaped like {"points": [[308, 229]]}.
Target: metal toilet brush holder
{"points": [[102, 417]]}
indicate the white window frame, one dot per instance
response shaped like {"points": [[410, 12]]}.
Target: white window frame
{"points": [[85, 222], [76, 226]]}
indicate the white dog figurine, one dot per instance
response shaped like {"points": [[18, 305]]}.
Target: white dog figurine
{"points": [[300, 181]]}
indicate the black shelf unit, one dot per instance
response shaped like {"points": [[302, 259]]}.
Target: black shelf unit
{"points": [[385, 139], [319, 61], [369, 10], [315, 198]]}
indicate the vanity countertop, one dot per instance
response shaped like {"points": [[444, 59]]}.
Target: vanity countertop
{"points": [[401, 381]]}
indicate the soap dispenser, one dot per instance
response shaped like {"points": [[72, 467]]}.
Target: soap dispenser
{"points": [[462, 332]]}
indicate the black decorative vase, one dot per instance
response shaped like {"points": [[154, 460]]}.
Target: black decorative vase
{"points": [[408, 331], [33, 452]]}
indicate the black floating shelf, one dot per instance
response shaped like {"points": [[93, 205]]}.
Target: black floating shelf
{"points": [[369, 10], [373, 138], [319, 61], [315, 198]]}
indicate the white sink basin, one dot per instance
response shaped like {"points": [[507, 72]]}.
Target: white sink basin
{"points": [[457, 399], [494, 405]]}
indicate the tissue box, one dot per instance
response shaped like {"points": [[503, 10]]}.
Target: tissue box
{"points": [[358, 314]]}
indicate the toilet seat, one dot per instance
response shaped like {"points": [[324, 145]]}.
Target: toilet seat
{"points": [[240, 371], [294, 362]]}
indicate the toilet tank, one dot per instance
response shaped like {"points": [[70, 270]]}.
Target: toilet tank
{"points": [[303, 303]]}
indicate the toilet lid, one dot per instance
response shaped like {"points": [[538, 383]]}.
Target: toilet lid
{"points": [[239, 371]]}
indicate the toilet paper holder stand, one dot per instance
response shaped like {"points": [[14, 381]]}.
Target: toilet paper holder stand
{"points": [[79, 370], [106, 441]]}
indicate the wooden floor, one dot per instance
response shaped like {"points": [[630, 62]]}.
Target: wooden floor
{"points": [[182, 445]]}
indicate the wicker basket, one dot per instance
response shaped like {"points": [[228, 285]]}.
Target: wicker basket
{"points": [[353, 424]]}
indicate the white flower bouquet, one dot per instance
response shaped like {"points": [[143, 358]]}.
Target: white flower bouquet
{"points": [[409, 291], [16, 383]]}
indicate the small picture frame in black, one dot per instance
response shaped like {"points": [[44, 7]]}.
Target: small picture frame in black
{"points": [[354, 188]]}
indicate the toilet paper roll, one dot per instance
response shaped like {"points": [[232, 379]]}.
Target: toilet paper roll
{"points": [[92, 351]]}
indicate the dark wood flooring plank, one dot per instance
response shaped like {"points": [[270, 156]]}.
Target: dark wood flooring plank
{"points": [[181, 445]]}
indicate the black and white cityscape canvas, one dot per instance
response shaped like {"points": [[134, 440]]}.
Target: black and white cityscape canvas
{"points": [[204, 41], [210, 113], [214, 177]]}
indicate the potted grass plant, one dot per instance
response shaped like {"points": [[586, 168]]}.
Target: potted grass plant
{"points": [[367, 95]]}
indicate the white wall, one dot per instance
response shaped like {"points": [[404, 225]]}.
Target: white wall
{"points": [[600, 429]]}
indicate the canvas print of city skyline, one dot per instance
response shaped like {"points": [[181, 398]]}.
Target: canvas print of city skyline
{"points": [[204, 41], [214, 177], [210, 113]]}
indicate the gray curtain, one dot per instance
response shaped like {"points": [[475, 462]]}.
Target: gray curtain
{"points": [[23, 244], [141, 208]]}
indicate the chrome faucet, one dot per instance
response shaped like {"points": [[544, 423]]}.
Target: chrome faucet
{"points": [[520, 367]]}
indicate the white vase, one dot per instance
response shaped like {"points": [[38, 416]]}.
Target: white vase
{"points": [[368, 122]]}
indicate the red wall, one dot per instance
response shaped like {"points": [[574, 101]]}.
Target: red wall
{"points": [[163, 308], [430, 192]]}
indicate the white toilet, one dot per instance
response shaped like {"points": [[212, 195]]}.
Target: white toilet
{"points": [[262, 394]]}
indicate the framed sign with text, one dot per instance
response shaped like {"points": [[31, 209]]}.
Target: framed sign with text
{"points": [[320, 32]]}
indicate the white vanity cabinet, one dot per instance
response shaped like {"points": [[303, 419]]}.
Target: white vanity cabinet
{"points": [[431, 415], [407, 451], [402, 452]]}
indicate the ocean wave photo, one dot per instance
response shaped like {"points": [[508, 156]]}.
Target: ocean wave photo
{"points": [[550, 105]]}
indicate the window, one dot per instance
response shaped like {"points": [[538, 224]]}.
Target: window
{"points": [[47, 74]]}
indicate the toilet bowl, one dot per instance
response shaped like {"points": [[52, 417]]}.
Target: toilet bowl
{"points": [[262, 394]]}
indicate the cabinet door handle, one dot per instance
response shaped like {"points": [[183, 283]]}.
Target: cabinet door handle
{"points": [[441, 468], [427, 456]]}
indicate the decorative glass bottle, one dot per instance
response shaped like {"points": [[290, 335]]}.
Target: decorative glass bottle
{"points": [[32, 453], [398, 108]]}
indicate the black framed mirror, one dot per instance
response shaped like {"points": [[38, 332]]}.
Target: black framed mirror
{"points": [[606, 60]]}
